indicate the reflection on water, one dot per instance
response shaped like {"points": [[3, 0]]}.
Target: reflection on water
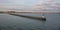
{"points": [[9, 22]]}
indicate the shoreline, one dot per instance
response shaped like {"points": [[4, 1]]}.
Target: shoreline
{"points": [[30, 12]]}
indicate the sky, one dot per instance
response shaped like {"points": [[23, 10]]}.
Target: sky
{"points": [[23, 2], [26, 4]]}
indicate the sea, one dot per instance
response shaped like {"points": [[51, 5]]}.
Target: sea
{"points": [[11, 22]]}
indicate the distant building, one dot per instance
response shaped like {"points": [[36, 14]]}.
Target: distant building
{"points": [[11, 12], [1, 11]]}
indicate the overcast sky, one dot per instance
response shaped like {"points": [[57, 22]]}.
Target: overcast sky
{"points": [[23, 3]]}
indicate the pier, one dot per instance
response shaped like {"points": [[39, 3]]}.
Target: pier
{"points": [[31, 17]]}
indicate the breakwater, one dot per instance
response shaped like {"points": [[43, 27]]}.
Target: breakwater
{"points": [[31, 17]]}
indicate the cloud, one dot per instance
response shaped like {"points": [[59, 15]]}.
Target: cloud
{"points": [[30, 5], [50, 6]]}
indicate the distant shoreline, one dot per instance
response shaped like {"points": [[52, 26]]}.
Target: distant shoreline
{"points": [[40, 12], [32, 12]]}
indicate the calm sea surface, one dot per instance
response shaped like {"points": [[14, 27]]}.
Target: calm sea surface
{"points": [[10, 22]]}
